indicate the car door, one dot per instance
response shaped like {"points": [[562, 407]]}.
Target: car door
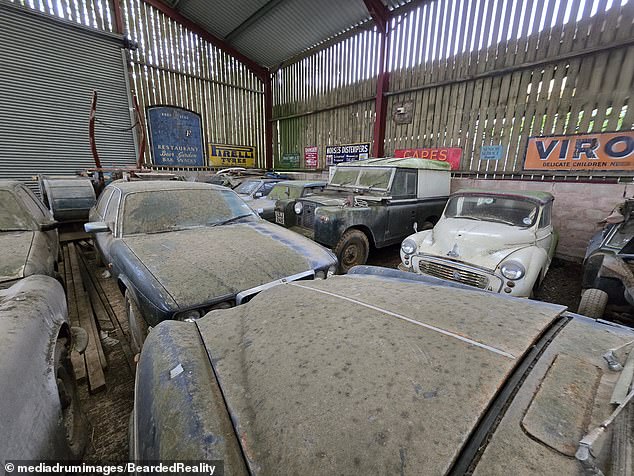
{"points": [[403, 207]]}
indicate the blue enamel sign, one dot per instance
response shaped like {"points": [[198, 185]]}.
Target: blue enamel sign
{"points": [[175, 136], [491, 152]]}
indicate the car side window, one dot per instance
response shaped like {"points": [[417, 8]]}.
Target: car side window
{"points": [[103, 201], [404, 184], [311, 191], [544, 220], [112, 209], [266, 188], [30, 202]]}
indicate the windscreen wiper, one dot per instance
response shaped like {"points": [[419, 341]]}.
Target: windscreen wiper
{"points": [[232, 219]]}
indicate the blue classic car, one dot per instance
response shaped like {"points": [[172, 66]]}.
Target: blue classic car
{"points": [[181, 249], [377, 372], [40, 414], [28, 238]]}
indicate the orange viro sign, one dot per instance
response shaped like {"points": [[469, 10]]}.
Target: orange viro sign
{"points": [[600, 151]]}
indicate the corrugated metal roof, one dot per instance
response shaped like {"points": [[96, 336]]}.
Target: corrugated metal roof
{"points": [[277, 29]]}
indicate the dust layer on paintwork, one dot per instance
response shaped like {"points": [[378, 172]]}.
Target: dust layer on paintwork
{"points": [[330, 383], [200, 265]]}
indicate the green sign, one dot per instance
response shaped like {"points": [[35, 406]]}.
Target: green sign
{"points": [[289, 161]]}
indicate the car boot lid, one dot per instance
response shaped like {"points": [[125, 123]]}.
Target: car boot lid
{"points": [[313, 383]]}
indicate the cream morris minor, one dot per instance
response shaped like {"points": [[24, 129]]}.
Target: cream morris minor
{"points": [[498, 241]]}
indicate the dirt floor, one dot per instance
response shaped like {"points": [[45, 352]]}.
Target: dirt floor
{"points": [[109, 411]]}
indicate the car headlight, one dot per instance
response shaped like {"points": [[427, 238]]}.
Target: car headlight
{"points": [[298, 207], [408, 247], [189, 316], [512, 270]]}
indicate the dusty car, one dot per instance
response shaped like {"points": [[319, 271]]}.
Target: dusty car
{"points": [[398, 377], [179, 249], [373, 203], [28, 235], [254, 188], [40, 412], [608, 277], [493, 240], [282, 197]]}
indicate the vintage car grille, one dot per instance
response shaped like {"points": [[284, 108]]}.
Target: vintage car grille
{"points": [[454, 273], [307, 217]]}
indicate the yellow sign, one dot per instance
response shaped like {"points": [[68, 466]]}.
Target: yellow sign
{"points": [[223, 155]]}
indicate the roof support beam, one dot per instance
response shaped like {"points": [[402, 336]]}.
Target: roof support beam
{"points": [[254, 18], [260, 71], [381, 17], [268, 122]]}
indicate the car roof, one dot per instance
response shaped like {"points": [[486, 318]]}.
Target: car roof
{"points": [[403, 364], [405, 163], [535, 196], [154, 185], [302, 183]]}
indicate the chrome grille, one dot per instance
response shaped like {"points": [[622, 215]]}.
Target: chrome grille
{"points": [[307, 217], [453, 273]]}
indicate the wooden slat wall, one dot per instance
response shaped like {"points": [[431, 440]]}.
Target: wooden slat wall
{"points": [[477, 73], [93, 13], [327, 98], [174, 66], [557, 69]]}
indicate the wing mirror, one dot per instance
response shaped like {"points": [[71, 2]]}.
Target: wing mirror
{"points": [[258, 194], [96, 227], [48, 225]]}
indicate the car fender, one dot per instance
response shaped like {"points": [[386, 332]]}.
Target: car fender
{"points": [[419, 238], [535, 261], [155, 303], [339, 220], [33, 313], [177, 394]]}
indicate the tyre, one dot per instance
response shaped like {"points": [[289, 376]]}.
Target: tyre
{"points": [[593, 302], [136, 324], [73, 420], [352, 250]]}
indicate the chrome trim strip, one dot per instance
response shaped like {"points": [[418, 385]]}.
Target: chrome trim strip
{"points": [[241, 296], [412, 321]]}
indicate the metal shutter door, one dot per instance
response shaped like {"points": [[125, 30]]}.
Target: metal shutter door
{"points": [[49, 68]]}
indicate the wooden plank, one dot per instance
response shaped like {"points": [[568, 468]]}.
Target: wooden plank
{"points": [[78, 361], [96, 378]]}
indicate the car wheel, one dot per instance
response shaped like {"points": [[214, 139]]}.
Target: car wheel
{"points": [[426, 226], [593, 302], [352, 250], [136, 324], [73, 420]]}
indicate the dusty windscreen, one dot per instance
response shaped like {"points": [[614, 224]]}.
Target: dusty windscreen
{"points": [[12, 217], [283, 192], [167, 210], [511, 211]]}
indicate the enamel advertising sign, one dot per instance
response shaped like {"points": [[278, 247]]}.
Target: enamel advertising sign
{"points": [[175, 136], [608, 151], [446, 154]]}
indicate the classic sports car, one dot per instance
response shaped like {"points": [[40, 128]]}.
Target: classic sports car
{"points": [[40, 415], [28, 238], [180, 249], [493, 240], [282, 197], [395, 376]]}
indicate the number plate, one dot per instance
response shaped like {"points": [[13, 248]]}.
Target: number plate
{"points": [[279, 217]]}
